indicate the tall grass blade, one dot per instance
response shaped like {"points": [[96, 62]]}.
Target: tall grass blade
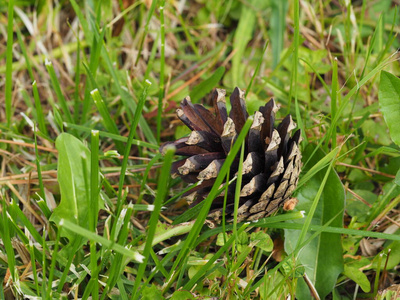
{"points": [[108, 122], [163, 183], [6, 238], [57, 89], [9, 59], [132, 132], [162, 69], [94, 206], [112, 136]]}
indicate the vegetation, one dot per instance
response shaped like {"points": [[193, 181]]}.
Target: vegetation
{"points": [[89, 93]]}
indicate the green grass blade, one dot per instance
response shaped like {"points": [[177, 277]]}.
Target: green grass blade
{"points": [[38, 106], [39, 169], [278, 25], [108, 122], [127, 99], [9, 59], [33, 266], [6, 238], [77, 102], [43, 207], [266, 222], [101, 240], [25, 221], [317, 167], [238, 188], [192, 212], [57, 89], [112, 136], [212, 260], [118, 260], [92, 71], [345, 231], [44, 263], [132, 132], [334, 90], [188, 36], [242, 36], [94, 207], [39, 111], [294, 82], [53, 264], [83, 21], [346, 99], [313, 208], [161, 194], [146, 28], [162, 70], [207, 85], [257, 68]]}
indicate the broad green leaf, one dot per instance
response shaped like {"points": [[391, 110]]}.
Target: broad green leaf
{"points": [[221, 238], [253, 103], [196, 265], [350, 244], [389, 103], [73, 175], [316, 58], [243, 35], [293, 270], [277, 28], [207, 85], [358, 277], [390, 256], [357, 208], [273, 286], [382, 150], [242, 242], [389, 293], [322, 257], [182, 295], [151, 293], [181, 131], [397, 179], [263, 240], [376, 131]]}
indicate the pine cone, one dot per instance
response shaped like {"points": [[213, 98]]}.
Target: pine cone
{"points": [[272, 158]]}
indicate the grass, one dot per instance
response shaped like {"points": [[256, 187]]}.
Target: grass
{"points": [[89, 92]]}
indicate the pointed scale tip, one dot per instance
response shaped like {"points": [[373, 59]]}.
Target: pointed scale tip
{"points": [[220, 95], [186, 101], [275, 107], [229, 128], [194, 138], [292, 125], [258, 120], [239, 91]]}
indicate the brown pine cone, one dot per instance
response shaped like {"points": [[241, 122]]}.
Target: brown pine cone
{"points": [[272, 158]]}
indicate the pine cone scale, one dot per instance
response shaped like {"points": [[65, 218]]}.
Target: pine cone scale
{"points": [[238, 112], [220, 108]]}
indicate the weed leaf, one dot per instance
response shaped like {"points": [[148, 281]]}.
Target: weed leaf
{"points": [[389, 103], [359, 277], [207, 85], [73, 175], [322, 257]]}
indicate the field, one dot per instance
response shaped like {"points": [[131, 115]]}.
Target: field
{"points": [[92, 208]]}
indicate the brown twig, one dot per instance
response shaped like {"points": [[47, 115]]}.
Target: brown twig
{"points": [[366, 170]]}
